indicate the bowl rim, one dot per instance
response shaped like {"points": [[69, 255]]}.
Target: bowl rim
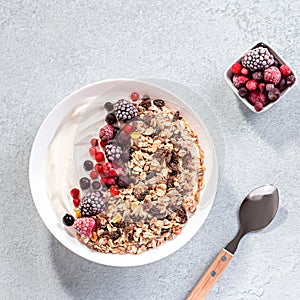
{"points": [[54, 231], [228, 74]]}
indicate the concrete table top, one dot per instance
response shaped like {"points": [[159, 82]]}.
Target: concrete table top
{"points": [[50, 48]]}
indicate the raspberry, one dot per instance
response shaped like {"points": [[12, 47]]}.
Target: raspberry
{"points": [[244, 71], [251, 85], [92, 204], [93, 151], [74, 193], [125, 110], [85, 226], [272, 75], [114, 190], [257, 96], [99, 157], [258, 106], [285, 70], [236, 68], [239, 80], [106, 133], [94, 142], [134, 96], [93, 174], [76, 202], [127, 128]]}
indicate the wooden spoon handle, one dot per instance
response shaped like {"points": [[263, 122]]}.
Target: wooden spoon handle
{"points": [[212, 274]]}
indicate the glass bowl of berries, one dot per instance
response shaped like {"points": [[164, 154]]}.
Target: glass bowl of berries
{"points": [[260, 77]]}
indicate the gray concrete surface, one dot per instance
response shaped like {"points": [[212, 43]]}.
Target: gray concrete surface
{"points": [[50, 48]]}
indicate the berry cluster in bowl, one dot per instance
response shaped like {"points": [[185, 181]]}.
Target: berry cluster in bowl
{"points": [[143, 178], [260, 77]]}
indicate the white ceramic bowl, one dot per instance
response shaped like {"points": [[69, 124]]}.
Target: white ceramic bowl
{"points": [[228, 75], [38, 180]]}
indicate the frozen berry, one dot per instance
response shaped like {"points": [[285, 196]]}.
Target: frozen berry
{"points": [[257, 96], [109, 106], [93, 174], [125, 110], [257, 75], [106, 133], [113, 152], [285, 70], [276, 63], [274, 95], [258, 106], [127, 128], [99, 168], [88, 165], [74, 193], [114, 190], [68, 220], [282, 84], [125, 157], [251, 85], [236, 68], [122, 181], [85, 226], [76, 202], [94, 142], [134, 96], [257, 59], [123, 140], [290, 80], [270, 87], [102, 144], [99, 157], [93, 151], [111, 119], [243, 92], [96, 185], [116, 130], [84, 183], [272, 75], [244, 71], [261, 86], [239, 80], [92, 204], [108, 181]]}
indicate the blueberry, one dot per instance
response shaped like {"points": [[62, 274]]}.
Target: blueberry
{"points": [[84, 183], [108, 106], [111, 119], [243, 92], [88, 165], [68, 220], [290, 80], [96, 185]]}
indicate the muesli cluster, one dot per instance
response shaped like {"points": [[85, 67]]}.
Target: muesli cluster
{"points": [[145, 178]]}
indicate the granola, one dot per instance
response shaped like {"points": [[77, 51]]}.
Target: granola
{"points": [[151, 185]]}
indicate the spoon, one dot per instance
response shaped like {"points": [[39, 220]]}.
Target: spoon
{"points": [[256, 212]]}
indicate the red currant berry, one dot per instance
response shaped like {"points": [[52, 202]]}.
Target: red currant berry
{"points": [[127, 128], [74, 193], [76, 202], [236, 68], [99, 156], [102, 144], [93, 151], [93, 174], [244, 71], [134, 96], [258, 106], [114, 190], [285, 70], [99, 168], [94, 142]]}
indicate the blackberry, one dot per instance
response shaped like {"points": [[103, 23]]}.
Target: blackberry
{"points": [[92, 204], [111, 119], [125, 110], [258, 59], [113, 152]]}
